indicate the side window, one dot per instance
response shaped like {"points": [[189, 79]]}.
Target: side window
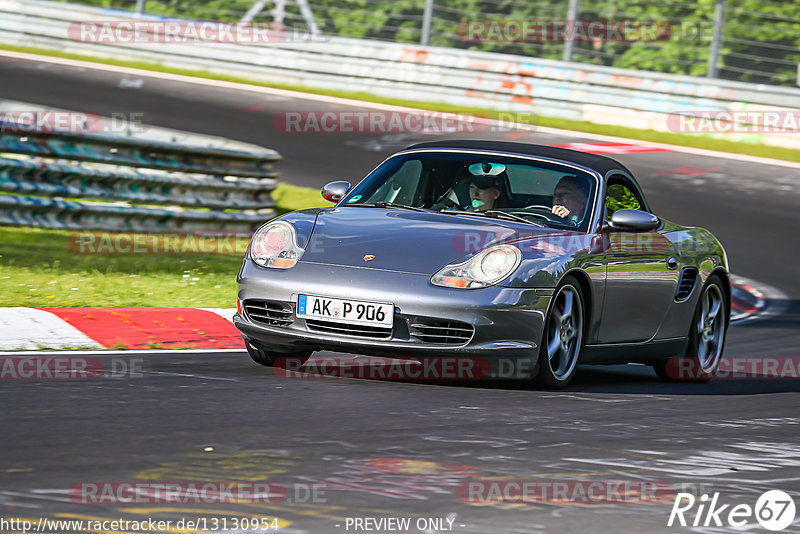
{"points": [[402, 186], [619, 195]]}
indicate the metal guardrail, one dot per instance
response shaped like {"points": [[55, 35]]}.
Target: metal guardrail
{"points": [[465, 78], [70, 181], [134, 152], [64, 180]]}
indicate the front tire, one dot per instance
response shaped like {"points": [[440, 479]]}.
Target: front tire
{"points": [[563, 336], [706, 339], [268, 359]]}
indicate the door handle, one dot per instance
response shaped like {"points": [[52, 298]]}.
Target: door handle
{"points": [[672, 263]]}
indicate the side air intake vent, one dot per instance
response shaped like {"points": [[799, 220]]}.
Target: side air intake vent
{"points": [[268, 312], [441, 332], [686, 283]]}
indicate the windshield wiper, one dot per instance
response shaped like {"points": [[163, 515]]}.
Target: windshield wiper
{"points": [[382, 204], [511, 216], [494, 214]]}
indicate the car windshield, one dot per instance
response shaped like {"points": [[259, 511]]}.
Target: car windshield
{"points": [[541, 192]]}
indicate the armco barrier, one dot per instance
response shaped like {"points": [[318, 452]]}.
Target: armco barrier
{"points": [[466, 78], [199, 189], [134, 152], [49, 179]]}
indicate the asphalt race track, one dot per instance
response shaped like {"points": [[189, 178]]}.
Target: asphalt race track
{"points": [[376, 449]]}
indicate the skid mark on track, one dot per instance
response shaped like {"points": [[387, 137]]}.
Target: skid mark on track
{"points": [[496, 443], [760, 457]]}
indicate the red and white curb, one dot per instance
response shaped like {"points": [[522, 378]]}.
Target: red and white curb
{"points": [[613, 148], [32, 329], [118, 328], [754, 300], [212, 328]]}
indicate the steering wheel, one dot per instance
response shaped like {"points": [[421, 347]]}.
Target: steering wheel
{"points": [[445, 202], [547, 215]]}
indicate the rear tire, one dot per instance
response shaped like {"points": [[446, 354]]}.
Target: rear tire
{"points": [[706, 339], [562, 339], [268, 359]]}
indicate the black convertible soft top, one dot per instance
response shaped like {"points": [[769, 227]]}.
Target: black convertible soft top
{"points": [[601, 164]]}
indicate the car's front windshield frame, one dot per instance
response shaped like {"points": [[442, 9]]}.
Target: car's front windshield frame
{"points": [[590, 220]]}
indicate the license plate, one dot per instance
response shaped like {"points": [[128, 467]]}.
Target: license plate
{"points": [[345, 311]]}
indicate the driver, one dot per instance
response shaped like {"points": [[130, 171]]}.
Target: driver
{"points": [[569, 199]]}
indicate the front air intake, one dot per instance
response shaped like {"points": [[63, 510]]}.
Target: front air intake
{"points": [[344, 329]]}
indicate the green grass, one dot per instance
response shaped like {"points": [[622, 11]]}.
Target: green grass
{"points": [[689, 140], [292, 198], [38, 269], [49, 268]]}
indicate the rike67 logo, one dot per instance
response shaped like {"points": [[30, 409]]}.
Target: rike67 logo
{"points": [[774, 510]]}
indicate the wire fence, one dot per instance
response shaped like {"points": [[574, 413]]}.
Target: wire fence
{"points": [[754, 41]]}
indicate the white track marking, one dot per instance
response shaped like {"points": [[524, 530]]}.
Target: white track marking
{"points": [[29, 328], [186, 375], [34, 496], [225, 313], [372, 105]]}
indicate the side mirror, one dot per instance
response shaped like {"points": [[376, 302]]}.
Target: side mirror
{"points": [[630, 219], [334, 191]]}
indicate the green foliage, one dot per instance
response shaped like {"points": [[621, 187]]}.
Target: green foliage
{"points": [[764, 41], [761, 38], [619, 197]]}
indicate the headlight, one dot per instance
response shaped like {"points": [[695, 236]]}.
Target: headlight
{"points": [[275, 245], [482, 270]]}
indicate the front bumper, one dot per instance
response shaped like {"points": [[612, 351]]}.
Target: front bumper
{"points": [[507, 322]]}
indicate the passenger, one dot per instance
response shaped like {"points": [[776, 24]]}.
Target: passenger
{"points": [[484, 192], [485, 185]]}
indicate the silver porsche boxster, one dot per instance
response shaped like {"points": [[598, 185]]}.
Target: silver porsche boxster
{"points": [[533, 257]]}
